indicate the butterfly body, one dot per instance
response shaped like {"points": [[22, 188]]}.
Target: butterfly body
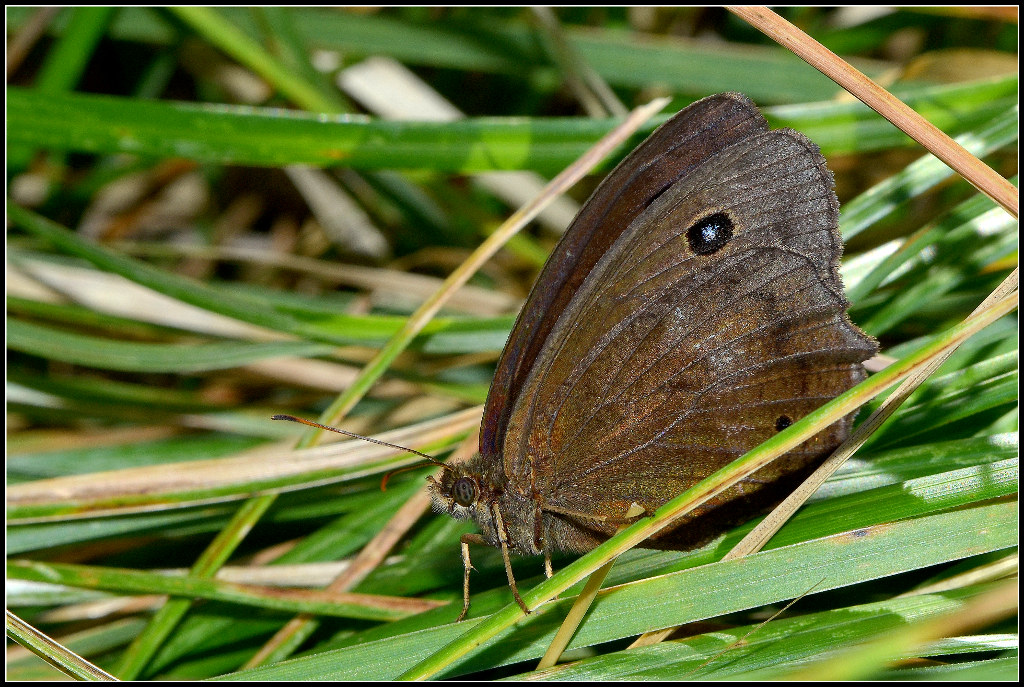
{"points": [[691, 311]]}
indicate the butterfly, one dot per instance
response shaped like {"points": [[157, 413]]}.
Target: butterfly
{"points": [[692, 310]]}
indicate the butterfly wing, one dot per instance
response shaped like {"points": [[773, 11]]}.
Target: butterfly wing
{"points": [[715, 319], [683, 142]]}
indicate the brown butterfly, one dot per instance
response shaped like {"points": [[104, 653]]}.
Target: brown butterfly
{"points": [[692, 310]]}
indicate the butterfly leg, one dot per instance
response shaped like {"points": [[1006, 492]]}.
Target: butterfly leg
{"points": [[539, 541], [542, 543], [503, 542], [466, 540], [548, 570]]}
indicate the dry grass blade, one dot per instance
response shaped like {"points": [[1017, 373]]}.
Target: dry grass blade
{"points": [[1008, 566], [390, 287], [113, 294], [884, 103], [369, 558], [943, 147], [484, 252], [21, 43], [574, 617], [109, 491]]}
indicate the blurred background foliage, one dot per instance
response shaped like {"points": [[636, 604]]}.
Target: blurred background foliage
{"points": [[218, 215]]}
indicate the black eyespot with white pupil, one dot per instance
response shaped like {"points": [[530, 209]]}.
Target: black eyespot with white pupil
{"points": [[708, 235], [464, 491], [782, 422]]}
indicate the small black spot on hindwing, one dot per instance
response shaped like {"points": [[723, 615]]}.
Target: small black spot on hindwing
{"points": [[708, 235], [782, 422]]}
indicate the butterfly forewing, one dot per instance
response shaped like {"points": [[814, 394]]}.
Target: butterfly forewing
{"points": [[685, 141], [715, 319]]}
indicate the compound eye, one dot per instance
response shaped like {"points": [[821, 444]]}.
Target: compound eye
{"points": [[464, 491]]}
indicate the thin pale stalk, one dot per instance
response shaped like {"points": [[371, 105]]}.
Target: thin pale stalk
{"points": [[1008, 566], [419, 319], [574, 617], [25, 38], [976, 172]]}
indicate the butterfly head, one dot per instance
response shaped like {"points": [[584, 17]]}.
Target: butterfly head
{"points": [[459, 491], [475, 490]]}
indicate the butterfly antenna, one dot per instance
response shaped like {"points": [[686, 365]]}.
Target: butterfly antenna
{"points": [[387, 475], [743, 639]]}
